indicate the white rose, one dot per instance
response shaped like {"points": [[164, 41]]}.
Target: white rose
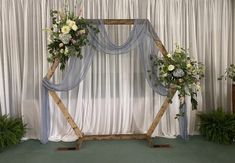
{"points": [[61, 45], [65, 29], [70, 23], [171, 67], [169, 55], [74, 27]]}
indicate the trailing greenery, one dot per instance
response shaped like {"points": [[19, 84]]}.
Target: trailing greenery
{"points": [[218, 126], [11, 131]]}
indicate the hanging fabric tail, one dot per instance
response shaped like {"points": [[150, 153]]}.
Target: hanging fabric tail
{"points": [[45, 116], [183, 120]]}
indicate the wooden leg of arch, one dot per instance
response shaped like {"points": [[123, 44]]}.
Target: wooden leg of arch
{"points": [[160, 113], [157, 119], [64, 110]]}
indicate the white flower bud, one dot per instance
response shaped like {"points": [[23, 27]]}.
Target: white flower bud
{"points": [[61, 45]]}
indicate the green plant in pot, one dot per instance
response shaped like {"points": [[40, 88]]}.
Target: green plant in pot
{"points": [[11, 131], [217, 126]]}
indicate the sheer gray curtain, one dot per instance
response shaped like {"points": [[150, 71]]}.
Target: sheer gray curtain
{"points": [[205, 27]]}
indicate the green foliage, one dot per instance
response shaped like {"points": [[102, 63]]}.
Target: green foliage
{"points": [[11, 131], [218, 126]]}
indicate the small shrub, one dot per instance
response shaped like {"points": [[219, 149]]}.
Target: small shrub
{"points": [[11, 131], [218, 126]]}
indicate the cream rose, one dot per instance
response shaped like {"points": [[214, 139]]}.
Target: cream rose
{"points": [[189, 65], [171, 67], [169, 55], [74, 27], [70, 23], [65, 29]]}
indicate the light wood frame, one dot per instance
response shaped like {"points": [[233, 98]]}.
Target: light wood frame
{"points": [[78, 132]]}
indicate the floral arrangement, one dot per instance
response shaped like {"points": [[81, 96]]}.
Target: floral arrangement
{"points": [[179, 71], [229, 73], [67, 36]]}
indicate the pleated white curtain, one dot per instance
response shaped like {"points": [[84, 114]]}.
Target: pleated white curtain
{"points": [[114, 97]]}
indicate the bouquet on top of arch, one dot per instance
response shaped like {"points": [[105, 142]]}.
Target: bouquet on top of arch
{"points": [[67, 35], [179, 71]]}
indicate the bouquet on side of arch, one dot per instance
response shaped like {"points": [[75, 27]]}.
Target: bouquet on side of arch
{"points": [[179, 71], [67, 35], [229, 73]]}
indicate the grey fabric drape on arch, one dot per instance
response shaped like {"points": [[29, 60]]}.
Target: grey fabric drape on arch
{"points": [[142, 36]]}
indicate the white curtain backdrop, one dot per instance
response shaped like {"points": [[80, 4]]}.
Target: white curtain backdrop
{"points": [[114, 97]]}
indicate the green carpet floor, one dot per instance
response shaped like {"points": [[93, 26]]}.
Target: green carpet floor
{"points": [[195, 150]]}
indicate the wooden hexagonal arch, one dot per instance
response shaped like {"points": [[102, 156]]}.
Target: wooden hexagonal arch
{"points": [[78, 132]]}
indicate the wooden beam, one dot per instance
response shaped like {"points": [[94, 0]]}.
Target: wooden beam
{"points": [[160, 113], [114, 21], [119, 21], [52, 69], [115, 137], [161, 47], [64, 110]]}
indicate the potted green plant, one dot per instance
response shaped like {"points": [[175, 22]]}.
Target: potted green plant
{"points": [[217, 126], [11, 131], [230, 73]]}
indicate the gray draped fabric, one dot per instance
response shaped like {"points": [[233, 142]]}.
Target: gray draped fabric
{"points": [[142, 36], [183, 121]]}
